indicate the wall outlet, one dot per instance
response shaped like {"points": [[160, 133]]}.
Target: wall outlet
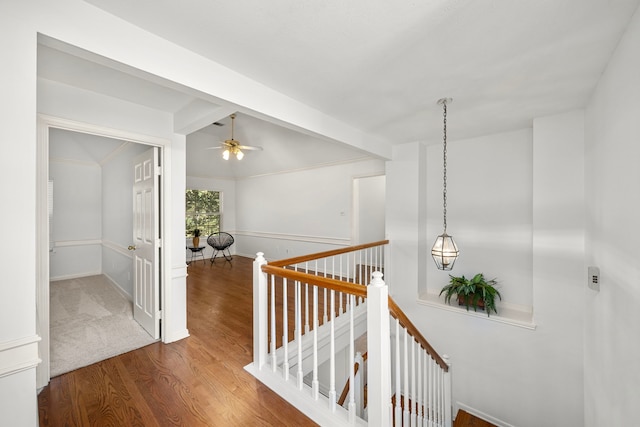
{"points": [[593, 278]]}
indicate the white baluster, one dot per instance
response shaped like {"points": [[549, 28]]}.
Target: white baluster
{"points": [[413, 410], [405, 412], [447, 393], [306, 308], [332, 360], [423, 389], [352, 403], [315, 384], [285, 330], [324, 313], [432, 392], [358, 389], [398, 409], [419, 387], [340, 294], [300, 374], [274, 361]]}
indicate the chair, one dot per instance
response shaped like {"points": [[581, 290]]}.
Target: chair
{"points": [[220, 243]]}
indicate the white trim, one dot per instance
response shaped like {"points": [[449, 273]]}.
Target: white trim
{"points": [[117, 248], [338, 241], [46, 122], [19, 355], [308, 168], [69, 243], [75, 276], [509, 314], [117, 287], [75, 162]]}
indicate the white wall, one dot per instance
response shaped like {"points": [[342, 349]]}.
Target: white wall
{"points": [[501, 371], [295, 213], [612, 318], [77, 217], [370, 208], [489, 211]]}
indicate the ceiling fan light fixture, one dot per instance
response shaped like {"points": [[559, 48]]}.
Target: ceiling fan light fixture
{"points": [[225, 154], [239, 155]]}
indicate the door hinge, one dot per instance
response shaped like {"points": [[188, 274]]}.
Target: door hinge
{"points": [[159, 314]]}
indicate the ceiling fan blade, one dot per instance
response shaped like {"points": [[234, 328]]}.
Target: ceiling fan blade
{"points": [[215, 148], [249, 147]]}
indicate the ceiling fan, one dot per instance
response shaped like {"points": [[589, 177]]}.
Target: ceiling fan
{"points": [[231, 146]]}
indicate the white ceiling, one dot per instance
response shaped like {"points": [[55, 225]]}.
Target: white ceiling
{"points": [[381, 65], [377, 65]]}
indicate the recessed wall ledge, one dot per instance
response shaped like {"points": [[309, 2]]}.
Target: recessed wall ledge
{"points": [[508, 314]]}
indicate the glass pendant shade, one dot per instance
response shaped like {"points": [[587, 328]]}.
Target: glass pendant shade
{"points": [[444, 252], [239, 155], [225, 155]]}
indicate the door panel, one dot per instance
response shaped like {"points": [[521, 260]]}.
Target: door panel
{"points": [[146, 242]]}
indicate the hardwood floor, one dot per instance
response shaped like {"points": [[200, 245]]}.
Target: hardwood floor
{"points": [[465, 419], [198, 381]]}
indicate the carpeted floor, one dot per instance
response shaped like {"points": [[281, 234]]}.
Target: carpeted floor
{"points": [[90, 321]]}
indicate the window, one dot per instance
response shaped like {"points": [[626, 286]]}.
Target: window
{"points": [[203, 211]]}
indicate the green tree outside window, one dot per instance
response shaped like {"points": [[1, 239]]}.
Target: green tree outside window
{"points": [[203, 211]]}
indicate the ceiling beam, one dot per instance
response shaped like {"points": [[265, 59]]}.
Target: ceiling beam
{"points": [[197, 115]]}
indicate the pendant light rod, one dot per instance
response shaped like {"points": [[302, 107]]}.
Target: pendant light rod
{"points": [[444, 102], [444, 251]]}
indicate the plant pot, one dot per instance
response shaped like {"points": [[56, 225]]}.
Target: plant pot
{"points": [[196, 242], [462, 300]]}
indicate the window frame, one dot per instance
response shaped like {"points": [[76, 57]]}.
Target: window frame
{"points": [[193, 216]]}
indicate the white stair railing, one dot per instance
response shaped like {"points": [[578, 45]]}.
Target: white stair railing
{"points": [[332, 309]]}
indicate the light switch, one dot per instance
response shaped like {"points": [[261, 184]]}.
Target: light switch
{"points": [[593, 278]]}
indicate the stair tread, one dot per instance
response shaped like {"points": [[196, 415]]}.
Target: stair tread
{"points": [[465, 419]]}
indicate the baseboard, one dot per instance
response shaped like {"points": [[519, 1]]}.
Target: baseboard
{"points": [[75, 276], [175, 336], [480, 414], [118, 288]]}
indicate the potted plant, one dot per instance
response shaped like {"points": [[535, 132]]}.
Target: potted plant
{"points": [[196, 238], [477, 292]]}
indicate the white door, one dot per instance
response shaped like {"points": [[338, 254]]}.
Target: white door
{"points": [[146, 242]]}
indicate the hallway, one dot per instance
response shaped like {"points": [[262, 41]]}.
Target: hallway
{"points": [[198, 381]]}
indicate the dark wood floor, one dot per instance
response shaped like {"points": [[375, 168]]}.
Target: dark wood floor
{"points": [[465, 419], [198, 381]]}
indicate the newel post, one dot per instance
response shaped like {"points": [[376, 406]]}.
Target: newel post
{"points": [[260, 313], [379, 357]]}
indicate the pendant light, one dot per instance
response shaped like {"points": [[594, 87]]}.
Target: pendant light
{"points": [[444, 251]]}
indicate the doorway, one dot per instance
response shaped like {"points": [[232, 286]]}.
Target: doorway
{"points": [[79, 249], [369, 194]]}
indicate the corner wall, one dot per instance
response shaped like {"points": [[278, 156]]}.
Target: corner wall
{"points": [[612, 321]]}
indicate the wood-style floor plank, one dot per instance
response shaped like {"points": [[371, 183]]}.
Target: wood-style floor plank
{"points": [[197, 381]]}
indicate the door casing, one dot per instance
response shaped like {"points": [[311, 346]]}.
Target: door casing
{"points": [[45, 123]]}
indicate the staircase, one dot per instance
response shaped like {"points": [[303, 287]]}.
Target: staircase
{"points": [[311, 312]]}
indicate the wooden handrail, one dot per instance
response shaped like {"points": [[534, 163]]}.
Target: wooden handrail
{"points": [[337, 285], [359, 291], [326, 254], [345, 390], [397, 313]]}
